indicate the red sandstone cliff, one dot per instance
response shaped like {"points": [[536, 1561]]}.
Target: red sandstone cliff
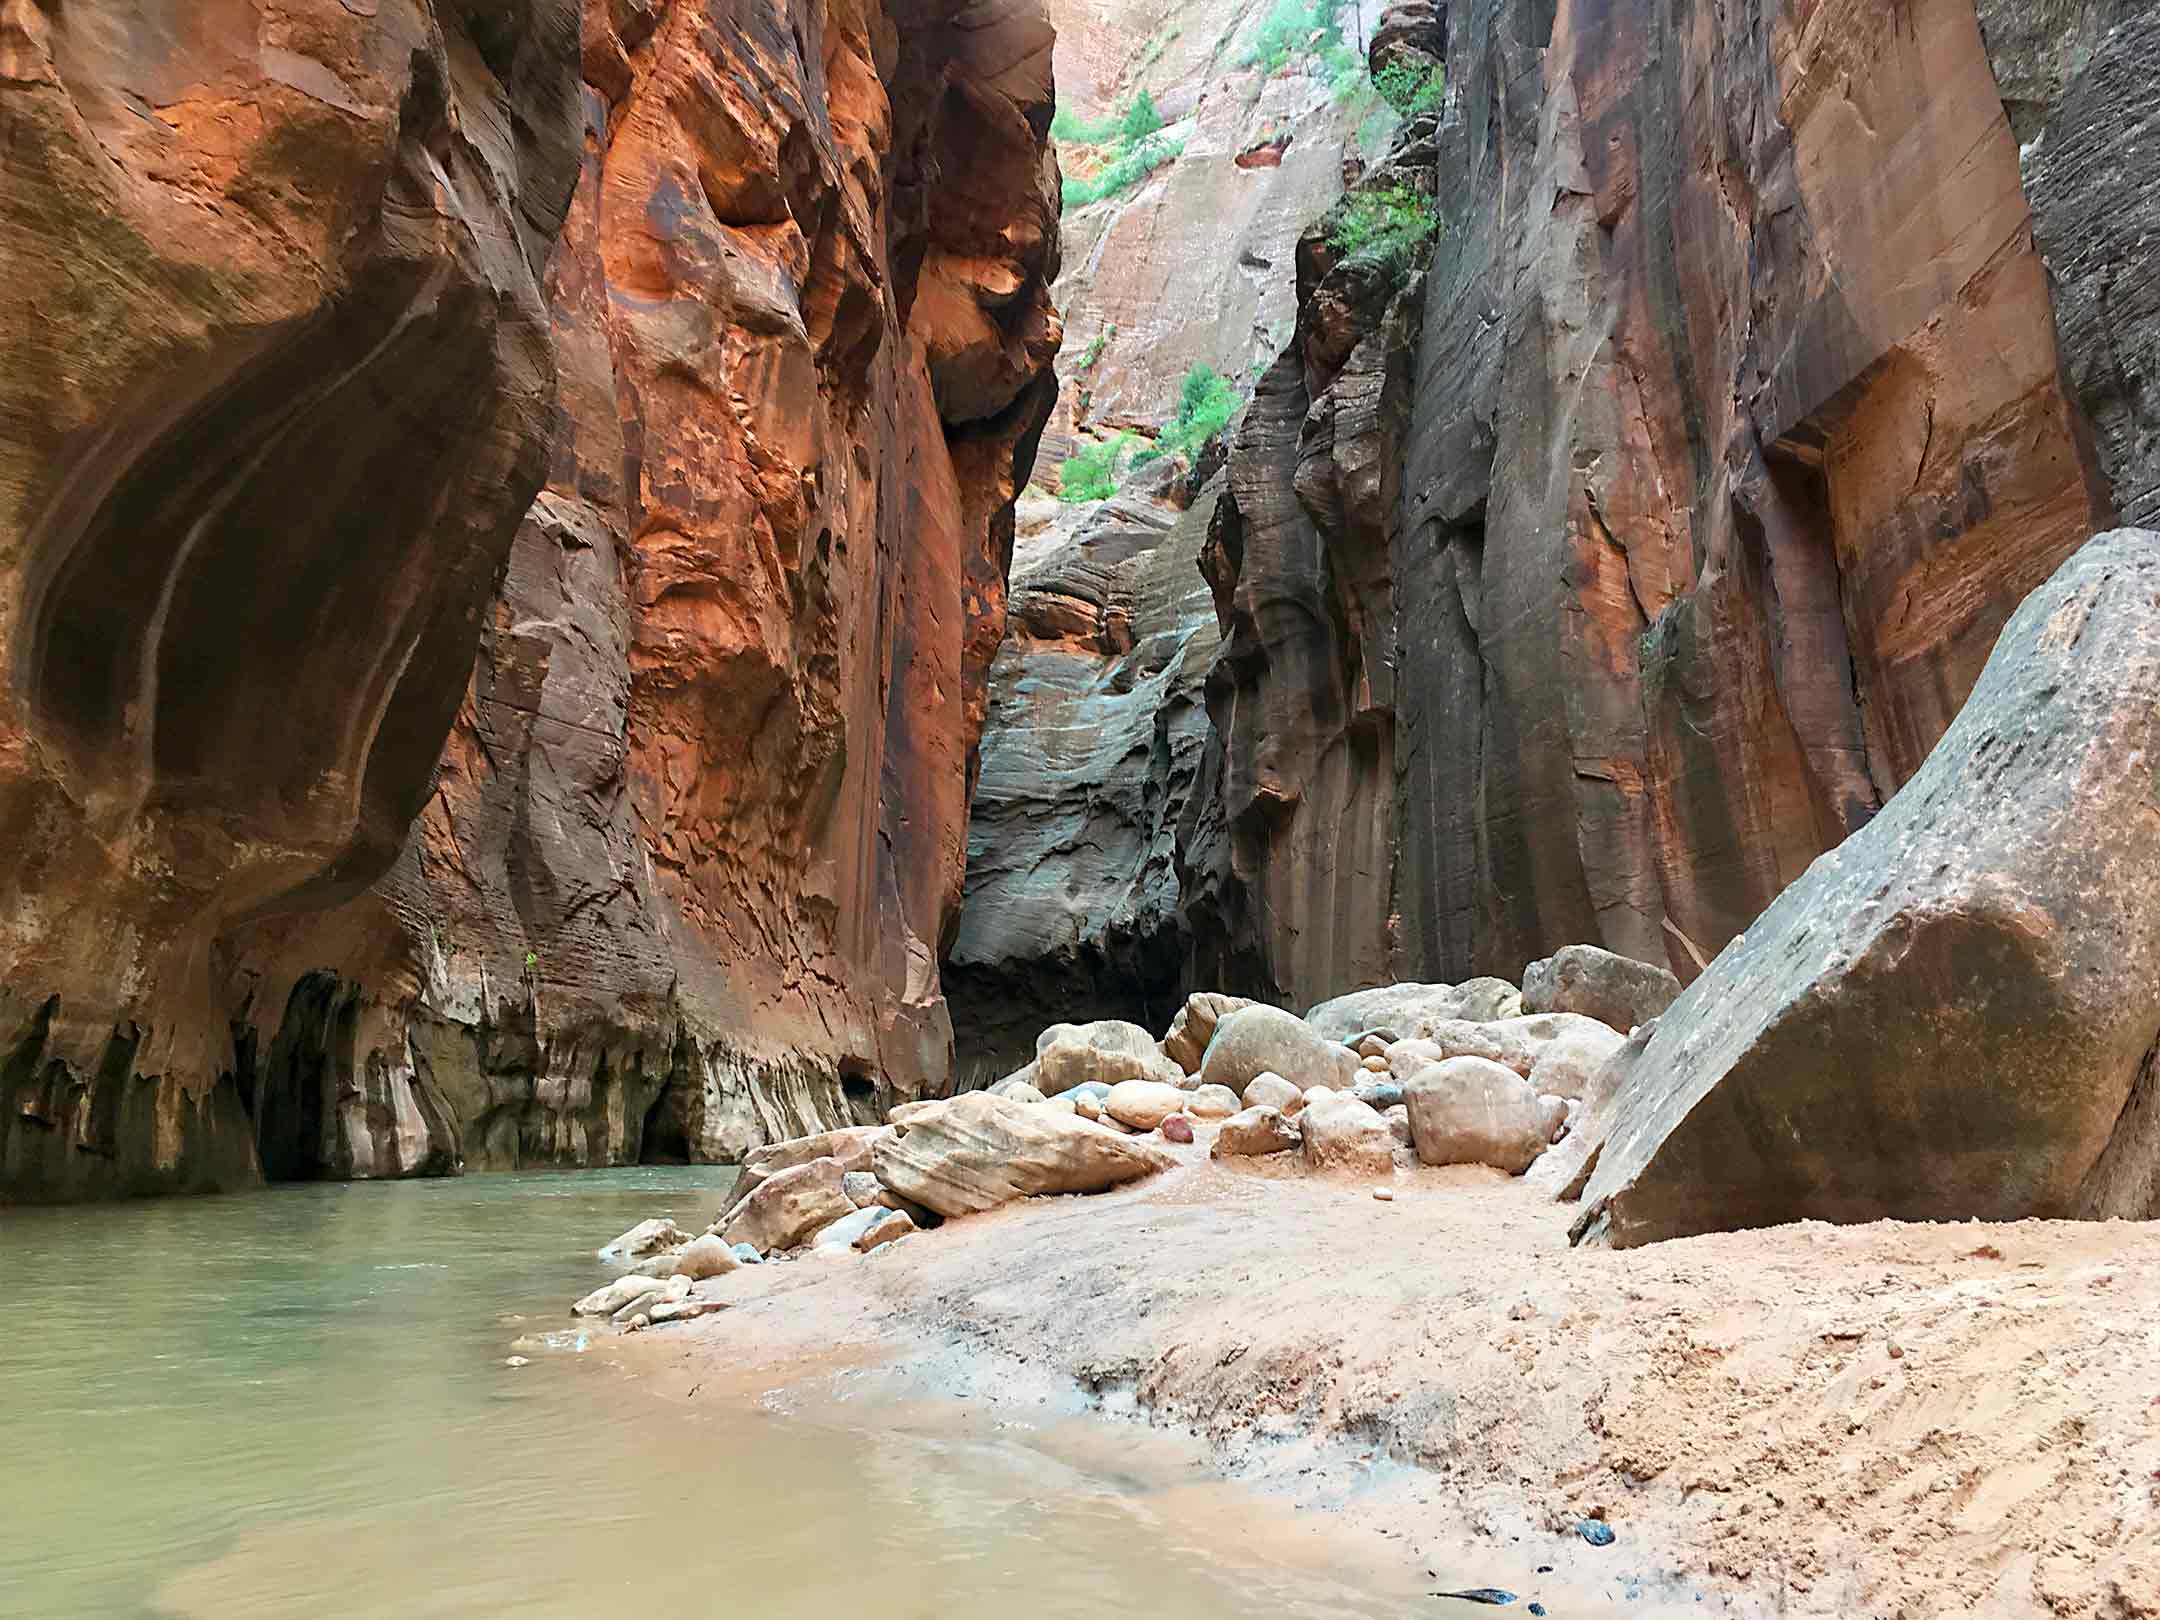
{"points": [[283, 385], [1744, 410], [275, 385], [700, 824]]}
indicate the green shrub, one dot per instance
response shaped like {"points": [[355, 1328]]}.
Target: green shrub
{"points": [[1095, 347], [1093, 472], [1135, 122], [1388, 228], [1294, 29], [1411, 90], [1122, 172], [1206, 402]]}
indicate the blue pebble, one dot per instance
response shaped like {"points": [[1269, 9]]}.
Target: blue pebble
{"points": [[1595, 1531], [746, 1254]]}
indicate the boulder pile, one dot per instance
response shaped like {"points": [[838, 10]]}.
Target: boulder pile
{"points": [[1360, 1087]]}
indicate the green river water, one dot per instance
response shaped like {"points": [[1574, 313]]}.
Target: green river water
{"points": [[295, 1403]]}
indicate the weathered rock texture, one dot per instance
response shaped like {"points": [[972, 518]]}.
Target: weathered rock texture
{"points": [[1192, 266], [1094, 737], [1096, 724], [699, 827], [680, 880], [1286, 846], [1737, 423], [276, 382], [1953, 1015]]}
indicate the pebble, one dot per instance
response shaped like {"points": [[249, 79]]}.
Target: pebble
{"points": [[1177, 1128], [1897, 1351], [748, 1255], [516, 1361], [1386, 1195], [1595, 1531]]}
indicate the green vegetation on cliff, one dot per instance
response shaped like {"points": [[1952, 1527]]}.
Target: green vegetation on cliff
{"points": [[1133, 149], [1389, 229]]}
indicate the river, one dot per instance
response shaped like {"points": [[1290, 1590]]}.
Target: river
{"points": [[298, 1403]]}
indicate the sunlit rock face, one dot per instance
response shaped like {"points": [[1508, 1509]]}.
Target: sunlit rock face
{"points": [[1741, 413], [276, 383], [676, 879]]}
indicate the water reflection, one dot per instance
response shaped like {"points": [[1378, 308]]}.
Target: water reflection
{"points": [[296, 1403]]}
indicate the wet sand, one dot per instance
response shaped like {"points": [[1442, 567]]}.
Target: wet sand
{"points": [[1891, 1420]]}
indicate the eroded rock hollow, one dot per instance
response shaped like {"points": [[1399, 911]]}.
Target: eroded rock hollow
{"points": [[273, 416]]}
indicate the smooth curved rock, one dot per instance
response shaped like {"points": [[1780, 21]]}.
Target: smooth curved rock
{"points": [[1271, 1090], [647, 1237], [1516, 1042], [1186, 1043], [1954, 1015], [895, 1225], [1470, 1110], [1568, 1065], [1214, 1102], [685, 852], [609, 1298], [277, 383], [844, 1234], [1411, 1010], [1261, 1040], [850, 1147], [1600, 984], [1105, 1052], [789, 1205], [1144, 1104], [1018, 1090], [979, 1152], [706, 1256]]}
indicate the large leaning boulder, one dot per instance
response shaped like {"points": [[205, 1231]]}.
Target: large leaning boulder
{"points": [[1259, 1040], [979, 1151], [1408, 1010], [1953, 1015], [1600, 984], [1190, 1031]]}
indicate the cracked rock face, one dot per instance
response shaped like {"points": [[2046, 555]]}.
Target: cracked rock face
{"points": [[1736, 425], [276, 380], [699, 825]]}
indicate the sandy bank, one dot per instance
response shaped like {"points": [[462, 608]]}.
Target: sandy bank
{"points": [[1886, 1420]]}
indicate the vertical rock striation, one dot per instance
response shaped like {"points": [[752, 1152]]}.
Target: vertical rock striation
{"points": [[275, 387], [699, 828], [1095, 735], [1738, 424]]}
